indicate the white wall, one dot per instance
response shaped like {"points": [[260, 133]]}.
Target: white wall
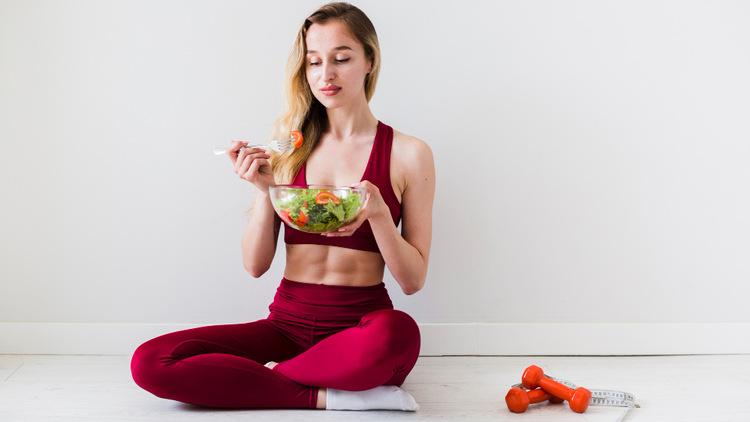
{"points": [[591, 160]]}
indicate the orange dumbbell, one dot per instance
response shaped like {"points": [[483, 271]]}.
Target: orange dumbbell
{"points": [[577, 399], [518, 399]]}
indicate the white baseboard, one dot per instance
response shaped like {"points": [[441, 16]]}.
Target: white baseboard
{"points": [[437, 338]]}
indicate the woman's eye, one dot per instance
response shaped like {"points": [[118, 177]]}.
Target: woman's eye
{"points": [[337, 61]]}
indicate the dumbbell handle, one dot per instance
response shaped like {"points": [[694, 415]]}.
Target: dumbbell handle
{"points": [[577, 399], [555, 388], [537, 395]]}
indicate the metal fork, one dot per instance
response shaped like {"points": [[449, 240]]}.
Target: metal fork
{"points": [[276, 145]]}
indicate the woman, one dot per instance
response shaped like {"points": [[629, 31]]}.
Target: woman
{"points": [[332, 339]]}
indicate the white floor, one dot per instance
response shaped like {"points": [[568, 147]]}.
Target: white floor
{"points": [[667, 388]]}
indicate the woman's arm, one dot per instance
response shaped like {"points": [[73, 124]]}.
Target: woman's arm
{"points": [[260, 237], [407, 253]]}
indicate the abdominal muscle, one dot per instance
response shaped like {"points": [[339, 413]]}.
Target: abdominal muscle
{"points": [[333, 265]]}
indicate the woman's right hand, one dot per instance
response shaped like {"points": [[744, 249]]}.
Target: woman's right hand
{"points": [[251, 164]]}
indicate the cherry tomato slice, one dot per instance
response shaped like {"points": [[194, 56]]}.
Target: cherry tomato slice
{"points": [[301, 219], [286, 216], [296, 139], [324, 197]]}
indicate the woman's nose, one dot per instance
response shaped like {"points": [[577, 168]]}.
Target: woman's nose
{"points": [[329, 73]]}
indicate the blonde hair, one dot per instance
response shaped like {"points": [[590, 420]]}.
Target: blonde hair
{"points": [[304, 112]]}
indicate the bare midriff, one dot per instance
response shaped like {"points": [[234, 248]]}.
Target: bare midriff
{"points": [[333, 265]]}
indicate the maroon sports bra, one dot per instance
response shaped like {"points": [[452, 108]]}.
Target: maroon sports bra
{"points": [[377, 172]]}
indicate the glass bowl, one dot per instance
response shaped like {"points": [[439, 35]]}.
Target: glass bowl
{"points": [[317, 208]]}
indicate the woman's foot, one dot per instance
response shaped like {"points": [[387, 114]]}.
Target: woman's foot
{"points": [[322, 398], [271, 364], [389, 397]]}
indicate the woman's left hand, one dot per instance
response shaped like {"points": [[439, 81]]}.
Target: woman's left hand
{"points": [[374, 206]]}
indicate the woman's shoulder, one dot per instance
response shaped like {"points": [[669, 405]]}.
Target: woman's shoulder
{"points": [[411, 160], [408, 147]]}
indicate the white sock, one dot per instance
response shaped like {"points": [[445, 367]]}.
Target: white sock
{"points": [[389, 397]]}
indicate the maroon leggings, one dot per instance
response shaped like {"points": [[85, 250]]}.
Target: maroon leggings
{"points": [[343, 337]]}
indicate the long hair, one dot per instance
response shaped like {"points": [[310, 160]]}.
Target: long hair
{"points": [[304, 112]]}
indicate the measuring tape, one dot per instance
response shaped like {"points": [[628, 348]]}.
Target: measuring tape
{"points": [[599, 397]]}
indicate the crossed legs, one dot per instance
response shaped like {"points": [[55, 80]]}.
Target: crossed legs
{"points": [[223, 365]]}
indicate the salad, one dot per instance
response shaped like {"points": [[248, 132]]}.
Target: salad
{"points": [[317, 210]]}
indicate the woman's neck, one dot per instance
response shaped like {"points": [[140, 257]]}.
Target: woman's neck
{"points": [[347, 122]]}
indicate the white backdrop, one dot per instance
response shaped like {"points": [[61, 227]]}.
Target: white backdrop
{"points": [[592, 169]]}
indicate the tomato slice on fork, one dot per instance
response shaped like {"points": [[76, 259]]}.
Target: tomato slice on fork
{"points": [[296, 138]]}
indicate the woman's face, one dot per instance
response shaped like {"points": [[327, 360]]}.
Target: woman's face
{"points": [[336, 65]]}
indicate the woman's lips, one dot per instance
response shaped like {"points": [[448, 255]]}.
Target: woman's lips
{"points": [[330, 91]]}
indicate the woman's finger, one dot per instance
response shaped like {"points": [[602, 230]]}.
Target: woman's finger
{"points": [[236, 146], [257, 164], [263, 163], [240, 158], [348, 229], [244, 165], [246, 159], [234, 150], [248, 175]]}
